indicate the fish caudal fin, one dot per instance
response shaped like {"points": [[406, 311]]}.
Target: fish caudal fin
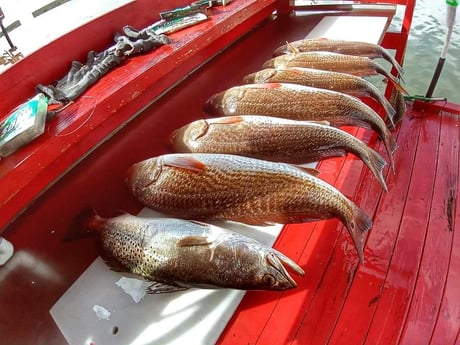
{"points": [[376, 163], [357, 226], [387, 56], [390, 146], [81, 226], [391, 78]]}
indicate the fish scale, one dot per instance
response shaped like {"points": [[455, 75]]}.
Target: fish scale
{"points": [[177, 254], [252, 191], [274, 139], [336, 81], [298, 102]]}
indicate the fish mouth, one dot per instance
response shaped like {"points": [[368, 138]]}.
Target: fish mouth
{"points": [[278, 260]]}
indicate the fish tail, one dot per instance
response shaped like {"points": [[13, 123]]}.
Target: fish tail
{"points": [[387, 56], [368, 89], [81, 226], [357, 226], [398, 102], [390, 146], [391, 78], [376, 164]]}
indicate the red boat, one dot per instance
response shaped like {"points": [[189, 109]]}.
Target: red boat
{"points": [[407, 291]]}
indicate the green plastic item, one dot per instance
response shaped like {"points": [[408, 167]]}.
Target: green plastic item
{"points": [[24, 124]]}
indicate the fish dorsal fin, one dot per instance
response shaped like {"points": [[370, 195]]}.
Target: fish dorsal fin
{"points": [[227, 120], [311, 171], [190, 241], [184, 162], [293, 49]]}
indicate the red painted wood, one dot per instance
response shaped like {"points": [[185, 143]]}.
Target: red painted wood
{"points": [[366, 288], [432, 274], [447, 325], [437, 106], [395, 297], [113, 101]]}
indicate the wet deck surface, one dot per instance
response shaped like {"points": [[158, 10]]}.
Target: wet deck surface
{"points": [[407, 291]]}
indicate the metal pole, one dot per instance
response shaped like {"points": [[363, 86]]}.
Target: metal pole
{"points": [[451, 12], [5, 33]]}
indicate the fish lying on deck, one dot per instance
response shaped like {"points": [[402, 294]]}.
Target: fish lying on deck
{"points": [[178, 254], [299, 102], [370, 50], [334, 62], [336, 81], [218, 186], [274, 139]]}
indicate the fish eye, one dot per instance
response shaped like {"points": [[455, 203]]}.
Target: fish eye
{"points": [[269, 279]]}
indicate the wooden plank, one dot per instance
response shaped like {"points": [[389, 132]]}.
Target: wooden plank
{"points": [[432, 275], [399, 284], [447, 328], [328, 297], [365, 289]]}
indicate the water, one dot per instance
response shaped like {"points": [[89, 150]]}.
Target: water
{"points": [[424, 47]]}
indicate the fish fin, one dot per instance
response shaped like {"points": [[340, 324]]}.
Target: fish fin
{"points": [[308, 170], [387, 56], [227, 120], [81, 226], [190, 241], [184, 162], [357, 227], [112, 262], [293, 49], [390, 146], [159, 288], [325, 123], [391, 78], [376, 164], [253, 221]]}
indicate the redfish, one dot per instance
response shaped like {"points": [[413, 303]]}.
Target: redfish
{"points": [[357, 65], [205, 186], [177, 254], [336, 81], [370, 50], [274, 139], [297, 102]]}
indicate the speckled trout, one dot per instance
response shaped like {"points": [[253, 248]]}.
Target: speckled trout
{"points": [[248, 190], [177, 254], [274, 139], [370, 50], [297, 102], [335, 81], [356, 65]]}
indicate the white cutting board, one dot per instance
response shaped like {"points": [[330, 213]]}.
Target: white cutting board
{"points": [[173, 318], [181, 317]]}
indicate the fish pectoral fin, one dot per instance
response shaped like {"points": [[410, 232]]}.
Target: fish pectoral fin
{"points": [[159, 288], [189, 241], [184, 162], [311, 171], [325, 123]]}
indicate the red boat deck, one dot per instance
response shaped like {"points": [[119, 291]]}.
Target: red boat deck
{"points": [[408, 289], [406, 292]]}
